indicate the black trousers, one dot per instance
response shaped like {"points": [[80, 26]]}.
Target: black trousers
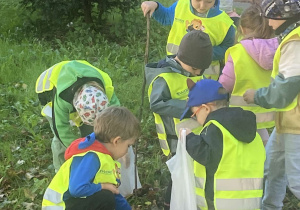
{"points": [[102, 200]]}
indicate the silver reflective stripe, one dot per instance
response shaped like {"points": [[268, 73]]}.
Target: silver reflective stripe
{"points": [[159, 128], [200, 201], [260, 117], [52, 208], [53, 196], [212, 70], [239, 101], [190, 123], [47, 85], [199, 182], [172, 48], [265, 117], [238, 204], [39, 87], [239, 184], [163, 144]]}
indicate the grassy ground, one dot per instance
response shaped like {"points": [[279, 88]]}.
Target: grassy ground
{"points": [[25, 154]]}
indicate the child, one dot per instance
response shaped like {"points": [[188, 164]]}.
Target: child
{"points": [[90, 176], [249, 64], [77, 91], [167, 91], [187, 15], [229, 154], [283, 159]]}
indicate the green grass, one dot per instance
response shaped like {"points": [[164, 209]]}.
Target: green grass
{"points": [[25, 154]]}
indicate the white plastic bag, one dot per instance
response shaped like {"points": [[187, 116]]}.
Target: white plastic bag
{"points": [[183, 195], [127, 174]]}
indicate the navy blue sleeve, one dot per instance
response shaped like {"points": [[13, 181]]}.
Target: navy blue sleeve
{"points": [[83, 171], [207, 147], [164, 15], [121, 203], [219, 51]]}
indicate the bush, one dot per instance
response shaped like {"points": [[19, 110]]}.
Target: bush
{"points": [[53, 14]]}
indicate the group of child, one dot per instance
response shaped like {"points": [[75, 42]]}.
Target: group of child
{"points": [[226, 143]]}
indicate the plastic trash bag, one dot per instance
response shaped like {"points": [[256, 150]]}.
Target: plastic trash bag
{"points": [[183, 195], [127, 174]]}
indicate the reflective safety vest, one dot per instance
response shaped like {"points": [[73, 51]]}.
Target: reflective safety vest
{"points": [[107, 173], [48, 80], [179, 90], [216, 27], [238, 181], [295, 32], [254, 78]]}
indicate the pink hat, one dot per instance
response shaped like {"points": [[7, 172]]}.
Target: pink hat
{"points": [[89, 101]]}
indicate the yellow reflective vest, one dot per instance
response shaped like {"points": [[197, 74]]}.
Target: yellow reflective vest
{"points": [[216, 27], [48, 80], [107, 173], [179, 90], [238, 181], [295, 32], [249, 75]]}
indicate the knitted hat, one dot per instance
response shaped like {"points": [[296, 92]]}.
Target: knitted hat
{"points": [[202, 92], [89, 101], [195, 50]]}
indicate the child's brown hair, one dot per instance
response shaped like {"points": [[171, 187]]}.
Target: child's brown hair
{"points": [[252, 19], [116, 121]]}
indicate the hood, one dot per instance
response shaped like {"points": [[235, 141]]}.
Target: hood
{"points": [[217, 4], [240, 123], [167, 65], [261, 50]]}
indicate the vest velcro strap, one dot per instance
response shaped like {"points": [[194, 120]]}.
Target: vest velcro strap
{"points": [[239, 101], [239, 184], [199, 182], [52, 208], [159, 128], [188, 123], [53, 196], [163, 144], [172, 49], [238, 204]]}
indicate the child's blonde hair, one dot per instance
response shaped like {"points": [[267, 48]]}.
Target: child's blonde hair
{"points": [[116, 121], [252, 19]]}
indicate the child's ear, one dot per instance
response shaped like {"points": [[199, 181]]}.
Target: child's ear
{"points": [[207, 108], [116, 140]]}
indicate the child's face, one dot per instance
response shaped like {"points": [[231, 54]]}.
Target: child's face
{"points": [[193, 71], [121, 147], [201, 112], [202, 6]]}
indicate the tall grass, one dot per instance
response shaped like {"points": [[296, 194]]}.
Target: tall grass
{"points": [[25, 155]]}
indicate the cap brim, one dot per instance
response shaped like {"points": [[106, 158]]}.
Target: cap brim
{"points": [[184, 113]]}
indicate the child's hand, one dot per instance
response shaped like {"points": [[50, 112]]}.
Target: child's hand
{"points": [[149, 6], [188, 131], [111, 187], [249, 96]]}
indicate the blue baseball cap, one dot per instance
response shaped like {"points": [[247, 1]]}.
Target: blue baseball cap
{"points": [[202, 92]]}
